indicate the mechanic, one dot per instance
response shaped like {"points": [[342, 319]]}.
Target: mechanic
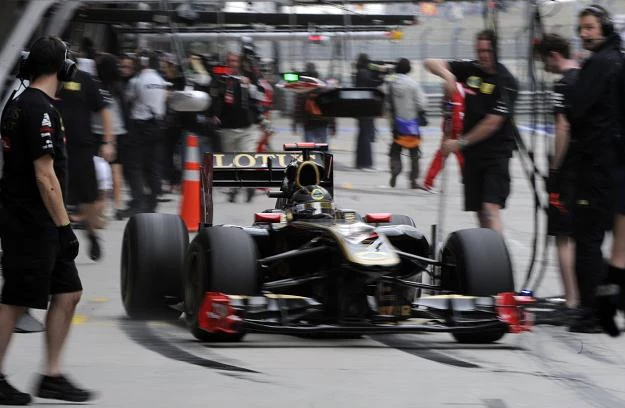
{"points": [[77, 100], [147, 93], [488, 139], [554, 50], [366, 126], [37, 238], [233, 111], [453, 114], [596, 116], [316, 127], [407, 102]]}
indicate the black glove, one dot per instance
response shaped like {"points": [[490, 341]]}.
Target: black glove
{"points": [[423, 120], [610, 298], [553, 181], [68, 242]]}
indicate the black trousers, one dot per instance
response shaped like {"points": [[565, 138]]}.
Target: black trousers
{"points": [[144, 164], [592, 216], [396, 165], [366, 135]]}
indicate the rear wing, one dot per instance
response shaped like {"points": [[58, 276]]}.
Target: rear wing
{"points": [[259, 170]]}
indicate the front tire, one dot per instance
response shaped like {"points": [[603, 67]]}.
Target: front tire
{"points": [[153, 250], [476, 262], [219, 259]]}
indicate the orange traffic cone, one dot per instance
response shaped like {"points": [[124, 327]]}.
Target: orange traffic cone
{"points": [[190, 203]]}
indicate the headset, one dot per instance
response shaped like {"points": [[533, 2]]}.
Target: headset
{"points": [[607, 24], [65, 73]]}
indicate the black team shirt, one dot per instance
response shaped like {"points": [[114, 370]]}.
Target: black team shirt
{"points": [[30, 128], [562, 94], [483, 96]]}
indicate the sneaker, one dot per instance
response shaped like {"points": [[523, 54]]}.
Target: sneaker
{"points": [[393, 181], [61, 389], [95, 252], [10, 396]]}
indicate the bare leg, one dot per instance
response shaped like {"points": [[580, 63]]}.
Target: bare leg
{"points": [[490, 217], [617, 258], [8, 316], [566, 258], [90, 212], [118, 181], [58, 322]]}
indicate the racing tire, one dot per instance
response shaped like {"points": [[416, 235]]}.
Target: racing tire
{"points": [[219, 259], [153, 252], [476, 262]]}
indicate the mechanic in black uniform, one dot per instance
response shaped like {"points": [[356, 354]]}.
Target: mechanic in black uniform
{"points": [[366, 126], [37, 238], [595, 126], [555, 52], [488, 139], [77, 100]]}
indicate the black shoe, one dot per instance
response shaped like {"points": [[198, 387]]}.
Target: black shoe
{"points": [[11, 396], [120, 214], [61, 389], [393, 181], [95, 252], [585, 324]]}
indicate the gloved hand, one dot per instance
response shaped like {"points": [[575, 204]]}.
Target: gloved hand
{"points": [[553, 181], [68, 242], [610, 298]]}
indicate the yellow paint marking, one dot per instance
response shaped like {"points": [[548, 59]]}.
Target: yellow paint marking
{"points": [[79, 319]]}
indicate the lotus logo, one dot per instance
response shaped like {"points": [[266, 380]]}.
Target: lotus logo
{"points": [[317, 194]]}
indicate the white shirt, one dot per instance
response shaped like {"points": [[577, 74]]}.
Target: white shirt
{"points": [[148, 95]]}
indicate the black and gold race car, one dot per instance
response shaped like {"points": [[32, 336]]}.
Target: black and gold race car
{"points": [[306, 267]]}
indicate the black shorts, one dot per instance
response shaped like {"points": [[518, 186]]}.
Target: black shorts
{"points": [[560, 210], [82, 183], [30, 265], [485, 181]]}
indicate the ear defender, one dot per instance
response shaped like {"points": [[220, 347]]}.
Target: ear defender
{"points": [[68, 68], [607, 24]]}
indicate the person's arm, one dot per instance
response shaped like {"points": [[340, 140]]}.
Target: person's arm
{"points": [[590, 88], [50, 190], [441, 69], [563, 136], [107, 150]]}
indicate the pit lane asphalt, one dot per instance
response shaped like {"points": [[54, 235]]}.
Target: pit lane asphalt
{"points": [[156, 364]]}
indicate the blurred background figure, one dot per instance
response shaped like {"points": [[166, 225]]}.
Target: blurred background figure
{"points": [[113, 91], [316, 127], [366, 126], [147, 93], [173, 124]]}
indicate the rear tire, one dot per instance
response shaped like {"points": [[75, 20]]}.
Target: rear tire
{"points": [[476, 262], [153, 250], [219, 259]]}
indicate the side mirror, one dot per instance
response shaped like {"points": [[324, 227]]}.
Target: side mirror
{"points": [[189, 101]]}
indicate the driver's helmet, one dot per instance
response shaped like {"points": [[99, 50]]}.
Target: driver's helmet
{"points": [[312, 202]]}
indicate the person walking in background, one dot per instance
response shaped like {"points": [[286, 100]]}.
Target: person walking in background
{"points": [[366, 126], [488, 139], [316, 127], [77, 100], [453, 115], [113, 91], [406, 102], [147, 93]]}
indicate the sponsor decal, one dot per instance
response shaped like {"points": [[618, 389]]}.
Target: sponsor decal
{"points": [[46, 134], [487, 88], [72, 86], [47, 145], [45, 121], [474, 82], [255, 160], [316, 194]]}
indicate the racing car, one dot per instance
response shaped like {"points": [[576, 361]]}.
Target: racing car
{"points": [[308, 267]]}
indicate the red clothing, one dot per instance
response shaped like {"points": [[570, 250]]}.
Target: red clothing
{"points": [[452, 127]]}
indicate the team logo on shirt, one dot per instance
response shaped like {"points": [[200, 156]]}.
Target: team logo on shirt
{"points": [[45, 122], [487, 88], [474, 82]]}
